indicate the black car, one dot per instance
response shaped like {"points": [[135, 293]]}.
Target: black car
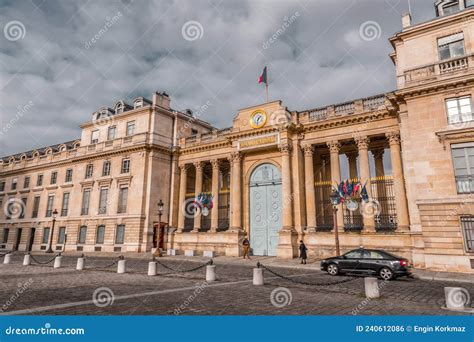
{"points": [[371, 261]]}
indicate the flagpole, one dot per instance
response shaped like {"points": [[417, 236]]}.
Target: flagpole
{"points": [[266, 85]]}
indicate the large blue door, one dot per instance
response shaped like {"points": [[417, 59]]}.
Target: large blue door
{"points": [[265, 209]]}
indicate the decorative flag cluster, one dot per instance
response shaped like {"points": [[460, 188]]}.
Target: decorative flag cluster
{"points": [[351, 190]]}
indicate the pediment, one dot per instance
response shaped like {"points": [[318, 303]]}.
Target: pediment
{"points": [[262, 116]]}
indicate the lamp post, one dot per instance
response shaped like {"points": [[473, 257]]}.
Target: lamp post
{"points": [[50, 249], [160, 212], [335, 200]]}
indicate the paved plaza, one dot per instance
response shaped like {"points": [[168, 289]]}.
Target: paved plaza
{"points": [[40, 289]]}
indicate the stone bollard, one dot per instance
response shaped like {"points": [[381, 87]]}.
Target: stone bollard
{"points": [[372, 289], [456, 298], [258, 276], [121, 266], [80, 263], [27, 260], [152, 268], [57, 261], [210, 273], [8, 258]]}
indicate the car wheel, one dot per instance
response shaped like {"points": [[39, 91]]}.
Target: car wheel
{"points": [[386, 273], [333, 269]]}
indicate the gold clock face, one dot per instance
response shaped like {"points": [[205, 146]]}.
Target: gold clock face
{"points": [[258, 119]]}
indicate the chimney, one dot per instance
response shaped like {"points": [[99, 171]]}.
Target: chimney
{"points": [[161, 99], [406, 20]]}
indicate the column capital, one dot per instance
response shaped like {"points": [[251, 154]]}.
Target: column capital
{"points": [[378, 152], [198, 165], [334, 146], [308, 150], [362, 142], [215, 164], [235, 157], [183, 168], [393, 137], [285, 149]]}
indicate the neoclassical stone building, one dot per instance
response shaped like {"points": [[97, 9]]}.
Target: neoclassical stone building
{"points": [[271, 172]]}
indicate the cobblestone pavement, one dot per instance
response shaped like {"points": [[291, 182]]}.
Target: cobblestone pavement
{"points": [[42, 290]]}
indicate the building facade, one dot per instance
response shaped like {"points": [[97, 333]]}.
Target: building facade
{"points": [[270, 174]]}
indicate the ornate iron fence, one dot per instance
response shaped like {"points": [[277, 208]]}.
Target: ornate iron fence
{"points": [[385, 210], [324, 219]]}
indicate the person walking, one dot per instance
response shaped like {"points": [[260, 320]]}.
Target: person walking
{"points": [[303, 254], [246, 248]]}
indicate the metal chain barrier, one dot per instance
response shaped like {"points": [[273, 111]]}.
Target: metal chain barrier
{"points": [[259, 265], [42, 262], [210, 262], [2, 255], [103, 267]]}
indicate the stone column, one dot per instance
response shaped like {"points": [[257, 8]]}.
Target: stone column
{"points": [[197, 191], [369, 208], [352, 158], [215, 193], [379, 173], [398, 181], [309, 187], [334, 147], [182, 196], [287, 197], [236, 192]]}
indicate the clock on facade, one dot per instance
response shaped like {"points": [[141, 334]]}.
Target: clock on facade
{"points": [[258, 119]]}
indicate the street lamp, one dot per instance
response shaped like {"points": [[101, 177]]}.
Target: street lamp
{"points": [[160, 212], [335, 200], [50, 250]]}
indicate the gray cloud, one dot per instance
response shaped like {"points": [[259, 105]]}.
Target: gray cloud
{"points": [[317, 60]]}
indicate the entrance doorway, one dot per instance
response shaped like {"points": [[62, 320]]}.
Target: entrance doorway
{"points": [[265, 209], [18, 239], [31, 240]]}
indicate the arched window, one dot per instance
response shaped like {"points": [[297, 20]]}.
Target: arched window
{"points": [[119, 107], [138, 103]]}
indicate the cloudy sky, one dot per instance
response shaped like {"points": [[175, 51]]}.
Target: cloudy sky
{"points": [[62, 60]]}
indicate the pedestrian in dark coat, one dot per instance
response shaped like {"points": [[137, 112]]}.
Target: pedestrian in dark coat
{"points": [[303, 254]]}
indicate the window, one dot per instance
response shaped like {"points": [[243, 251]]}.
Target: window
{"points": [[85, 202], [103, 200], [451, 46], [95, 137], [14, 182], [451, 7], [138, 103], [36, 203], [120, 234], [62, 235], [45, 235], [469, 3], [65, 205], [371, 255], [119, 107], [354, 254], [6, 231], [54, 177], [23, 207], [49, 206], [467, 225], [463, 160], [26, 182], [89, 171], [125, 166], [111, 133], [122, 202], [82, 235], [99, 239], [194, 131], [459, 110], [131, 127], [2, 186], [106, 168], [39, 180], [68, 176]]}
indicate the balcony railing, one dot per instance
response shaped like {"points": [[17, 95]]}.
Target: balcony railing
{"points": [[84, 211], [465, 184]]}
